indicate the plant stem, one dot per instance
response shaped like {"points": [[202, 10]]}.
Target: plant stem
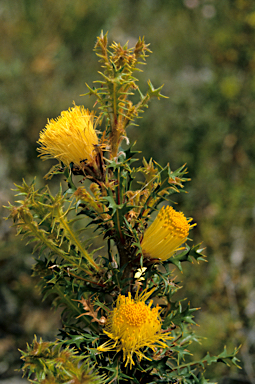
{"points": [[76, 241], [69, 303]]}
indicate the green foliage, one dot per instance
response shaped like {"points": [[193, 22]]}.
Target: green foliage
{"points": [[118, 85], [53, 364], [118, 204]]}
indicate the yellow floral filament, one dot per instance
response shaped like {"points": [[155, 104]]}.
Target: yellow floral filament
{"points": [[133, 325], [166, 234], [70, 138]]}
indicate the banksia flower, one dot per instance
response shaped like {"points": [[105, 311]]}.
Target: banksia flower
{"points": [[166, 234], [70, 138], [132, 326]]}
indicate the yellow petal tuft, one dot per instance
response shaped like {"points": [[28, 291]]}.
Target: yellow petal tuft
{"points": [[132, 326], [70, 138], [166, 234]]}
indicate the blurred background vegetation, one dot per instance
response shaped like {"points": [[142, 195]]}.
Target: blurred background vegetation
{"points": [[204, 53]]}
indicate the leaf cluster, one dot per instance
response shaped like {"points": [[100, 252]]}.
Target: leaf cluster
{"points": [[53, 364], [117, 84]]}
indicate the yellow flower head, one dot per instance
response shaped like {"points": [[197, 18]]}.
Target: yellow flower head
{"points": [[166, 234], [132, 326], [70, 137]]}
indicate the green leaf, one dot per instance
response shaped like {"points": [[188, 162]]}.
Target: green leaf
{"points": [[152, 92], [178, 316]]}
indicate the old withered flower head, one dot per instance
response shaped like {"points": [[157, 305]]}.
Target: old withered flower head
{"points": [[132, 326], [166, 234], [70, 138]]}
